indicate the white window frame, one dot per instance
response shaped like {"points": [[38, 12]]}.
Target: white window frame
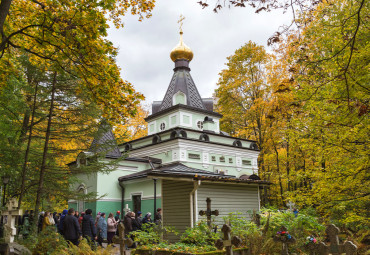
{"points": [[174, 97], [155, 127], [182, 114], [170, 120], [165, 126], [196, 124]]}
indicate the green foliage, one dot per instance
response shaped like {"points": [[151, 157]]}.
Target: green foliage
{"points": [[151, 234], [299, 227], [51, 243], [181, 247], [199, 235]]}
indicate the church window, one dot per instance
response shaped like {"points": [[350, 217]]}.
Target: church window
{"points": [[247, 162], [193, 156], [230, 160], [204, 137], [162, 126], [200, 125], [222, 159], [213, 158], [237, 143]]}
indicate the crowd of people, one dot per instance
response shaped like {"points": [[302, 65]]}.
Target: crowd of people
{"points": [[73, 225]]}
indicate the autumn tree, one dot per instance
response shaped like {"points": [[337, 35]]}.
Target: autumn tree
{"points": [[242, 91], [329, 61]]}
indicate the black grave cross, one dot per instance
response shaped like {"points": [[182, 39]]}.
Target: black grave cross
{"points": [[335, 248], [209, 212], [227, 242]]}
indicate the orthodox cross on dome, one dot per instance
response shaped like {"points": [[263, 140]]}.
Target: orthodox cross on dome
{"points": [[180, 21]]}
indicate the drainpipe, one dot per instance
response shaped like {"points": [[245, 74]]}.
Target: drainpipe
{"points": [[194, 203], [155, 196], [122, 199]]}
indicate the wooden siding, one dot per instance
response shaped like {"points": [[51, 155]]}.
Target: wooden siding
{"points": [[176, 205], [227, 199]]}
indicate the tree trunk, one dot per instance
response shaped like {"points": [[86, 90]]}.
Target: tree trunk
{"points": [[4, 11], [278, 170], [24, 169], [44, 155]]}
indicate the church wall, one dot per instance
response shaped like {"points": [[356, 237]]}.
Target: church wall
{"points": [[143, 187], [228, 198], [176, 205], [108, 207], [108, 184]]}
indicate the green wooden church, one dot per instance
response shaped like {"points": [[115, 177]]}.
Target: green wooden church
{"points": [[184, 159]]}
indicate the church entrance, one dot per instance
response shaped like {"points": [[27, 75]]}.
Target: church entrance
{"points": [[136, 200]]}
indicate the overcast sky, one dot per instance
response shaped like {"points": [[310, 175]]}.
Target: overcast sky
{"points": [[144, 47]]}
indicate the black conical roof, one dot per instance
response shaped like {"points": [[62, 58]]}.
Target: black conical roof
{"points": [[182, 81], [105, 142]]}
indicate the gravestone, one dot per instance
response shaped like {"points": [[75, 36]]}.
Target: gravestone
{"points": [[256, 218], [227, 242], [11, 215], [335, 248], [122, 240], [285, 238], [208, 212]]}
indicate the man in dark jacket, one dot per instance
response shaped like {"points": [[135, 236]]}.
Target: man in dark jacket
{"points": [[71, 228], [61, 219], [88, 226]]}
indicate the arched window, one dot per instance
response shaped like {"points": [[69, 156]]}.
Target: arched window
{"points": [[178, 133], [174, 134], [253, 146], [128, 147], [237, 143], [204, 137], [182, 133], [156, 139]]}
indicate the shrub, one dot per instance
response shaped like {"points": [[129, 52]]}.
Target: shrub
{"points": [[199, 235], [151, 234]]}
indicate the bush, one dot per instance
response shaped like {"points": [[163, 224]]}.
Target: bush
{"points": [[300, 227], [199, 235], [51, 243], [151, 234]]}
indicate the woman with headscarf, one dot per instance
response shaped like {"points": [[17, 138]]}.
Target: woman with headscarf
{"points": [[147, 218], [102, 229], [47, 220], [112, 228]]}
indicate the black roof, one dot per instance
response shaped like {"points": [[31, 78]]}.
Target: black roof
{"points": [[173, 168], [105, 142], [182, 81], [179, 170]]}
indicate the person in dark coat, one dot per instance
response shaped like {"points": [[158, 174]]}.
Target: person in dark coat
{"points": [[61, 219], [40, 221], [135, 223], [139, 219], [71, 228], [88, 226], [158, 216], [127, 222], [147, 218]]}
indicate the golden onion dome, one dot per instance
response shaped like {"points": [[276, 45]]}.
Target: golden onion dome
{"points": [[181, 51]]}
